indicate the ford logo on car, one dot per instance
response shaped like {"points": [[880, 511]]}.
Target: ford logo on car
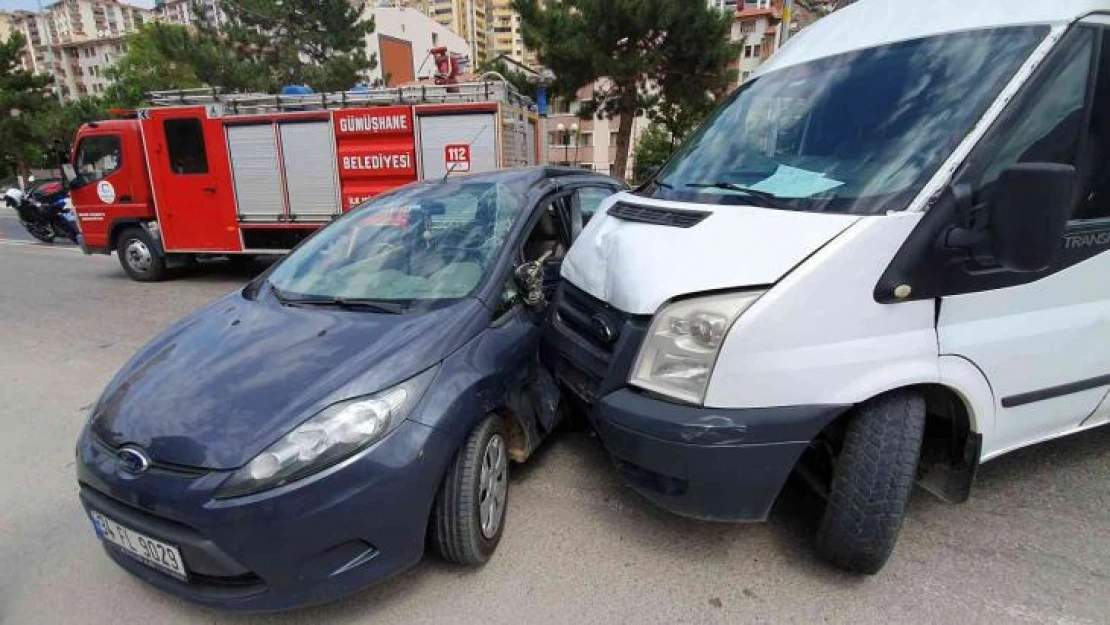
{"points": [[133, 461], [602, 329]]}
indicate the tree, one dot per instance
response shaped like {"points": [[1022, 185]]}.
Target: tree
{"points": [[636, 53], [319, 43], [654, 148], [22, 93], [159, 57]]}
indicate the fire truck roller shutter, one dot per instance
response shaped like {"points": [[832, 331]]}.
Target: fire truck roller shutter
{"points": [[254, 166], [478, 130], [310, 170]]}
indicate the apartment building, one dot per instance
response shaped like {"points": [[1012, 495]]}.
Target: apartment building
{"points": [[76, 40], [468, 19], [506, 37], [587, 143], [182, 12]]}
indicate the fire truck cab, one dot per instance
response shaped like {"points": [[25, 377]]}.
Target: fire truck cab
{"points": [[200, 174]]}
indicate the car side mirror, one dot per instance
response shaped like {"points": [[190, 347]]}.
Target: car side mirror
{"points": [[529, 279], [69, 177], [1028, 214]]}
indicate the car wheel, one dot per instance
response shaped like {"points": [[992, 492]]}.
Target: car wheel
{"points": [[872, 480], [469, 513], [139, 256]]}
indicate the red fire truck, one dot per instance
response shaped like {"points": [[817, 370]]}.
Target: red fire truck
{"points": [[202, 174]]}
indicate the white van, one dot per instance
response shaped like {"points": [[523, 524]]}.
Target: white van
{"points": [[884, 260]]}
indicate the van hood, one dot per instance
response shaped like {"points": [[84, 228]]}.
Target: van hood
{"points": [[229, 380], [635, 267]]}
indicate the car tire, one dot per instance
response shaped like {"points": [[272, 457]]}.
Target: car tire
{"points": [[139, 256], [468, 517], [872, 480]]}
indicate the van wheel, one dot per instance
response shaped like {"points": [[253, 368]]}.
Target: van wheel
{"points": [[139, 256], [469, 512], [872, 480]]}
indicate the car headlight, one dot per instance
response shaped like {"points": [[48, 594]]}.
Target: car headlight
{"points": [[683, 342], [334, 434]]}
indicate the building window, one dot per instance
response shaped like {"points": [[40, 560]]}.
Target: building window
{"points": [[755, 51], [747, 28], [747, 52]]}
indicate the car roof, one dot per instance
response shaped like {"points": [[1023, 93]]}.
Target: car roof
{"points": [[535, 175], [870, 23]]}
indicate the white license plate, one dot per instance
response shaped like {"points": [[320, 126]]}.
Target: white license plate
{"points": [[162, 556]]}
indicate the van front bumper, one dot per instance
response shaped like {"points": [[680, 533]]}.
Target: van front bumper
{"points": [[707, 463]]}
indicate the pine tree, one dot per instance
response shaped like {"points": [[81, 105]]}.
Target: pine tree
{"points": [[637, 53]]}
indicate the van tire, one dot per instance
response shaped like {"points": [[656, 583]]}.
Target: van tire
{"points": [[139, 256], [872, 481], [456, 530]]}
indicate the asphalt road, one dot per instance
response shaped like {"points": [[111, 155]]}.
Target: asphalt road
{"points": [[1032, 546]]}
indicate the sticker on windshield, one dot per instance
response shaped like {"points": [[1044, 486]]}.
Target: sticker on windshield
{"points": [[106, 192], [792, 182]]}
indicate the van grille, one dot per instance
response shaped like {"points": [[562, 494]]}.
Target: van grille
{"points": [[657, 216]]}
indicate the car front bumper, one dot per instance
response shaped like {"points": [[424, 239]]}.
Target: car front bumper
{"points": [[706, 463], [309, 542]]}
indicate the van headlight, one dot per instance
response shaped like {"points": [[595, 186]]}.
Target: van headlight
{"points": [[335, 433], [683, 342]]}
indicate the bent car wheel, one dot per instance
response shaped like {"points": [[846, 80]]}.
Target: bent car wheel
{"points": [[139, 256], [872, 480], [469, 513]]}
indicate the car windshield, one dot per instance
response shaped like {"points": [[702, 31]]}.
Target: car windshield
{"points": [[855, 133], [425, 243]]}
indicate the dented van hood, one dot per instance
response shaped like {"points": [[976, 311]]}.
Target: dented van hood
{"points": [[635, 267]]}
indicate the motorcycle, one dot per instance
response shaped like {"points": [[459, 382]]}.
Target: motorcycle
{"points": [[44, 221]]}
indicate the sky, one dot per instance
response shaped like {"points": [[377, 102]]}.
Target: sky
{"points": [[33, 5]]}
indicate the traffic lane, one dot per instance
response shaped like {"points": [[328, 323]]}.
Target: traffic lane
{"points": [[1030, 546], [12, 230]]}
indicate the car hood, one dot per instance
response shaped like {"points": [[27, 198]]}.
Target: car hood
{"points": [[226, 382], [635, 267]]}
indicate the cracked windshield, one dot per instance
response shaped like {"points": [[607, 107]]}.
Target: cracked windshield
{"points": [[428, 242], [856, 133]]}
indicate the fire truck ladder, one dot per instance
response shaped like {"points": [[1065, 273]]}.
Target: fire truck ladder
{"points": [[484, 91]]}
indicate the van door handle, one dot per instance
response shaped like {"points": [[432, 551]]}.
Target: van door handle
{"points": [[125, 198], [209, 189]]}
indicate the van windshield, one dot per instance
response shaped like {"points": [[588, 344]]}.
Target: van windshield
{"points": [[856, 133], [422, 244]]}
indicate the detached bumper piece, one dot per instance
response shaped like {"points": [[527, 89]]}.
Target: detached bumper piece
{"points": [[707, 463]]}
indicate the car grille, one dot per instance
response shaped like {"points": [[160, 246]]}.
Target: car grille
{"points": [[657, 216], [592, 344]]}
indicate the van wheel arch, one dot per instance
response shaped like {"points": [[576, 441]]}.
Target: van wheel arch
{"points": [[950, 449]]}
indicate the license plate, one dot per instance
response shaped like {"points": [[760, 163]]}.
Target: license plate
{"points": [[155, 553]]}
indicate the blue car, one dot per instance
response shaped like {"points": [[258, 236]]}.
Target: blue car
{"points": [[305, 436]]}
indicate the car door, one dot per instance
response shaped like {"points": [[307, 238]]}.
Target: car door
{"points": [[1040, 338]]}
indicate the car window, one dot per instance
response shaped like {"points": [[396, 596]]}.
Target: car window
{"points": [[589, 199], [98, 157], [185, 141], [424, 243], [1094, 157], [1046, 128], [858, 133]]}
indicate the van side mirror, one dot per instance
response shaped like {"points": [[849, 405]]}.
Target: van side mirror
{"points": [[1029, 213], [1028, 216]]}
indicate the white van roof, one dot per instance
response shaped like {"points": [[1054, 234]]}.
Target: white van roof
{"points": [[870, 23]]}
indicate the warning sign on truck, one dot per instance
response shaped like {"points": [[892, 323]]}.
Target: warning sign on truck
{"points": [[457, 157]]}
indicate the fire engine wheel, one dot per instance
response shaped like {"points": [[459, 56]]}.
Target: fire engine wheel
{"points": [[139, 256]]}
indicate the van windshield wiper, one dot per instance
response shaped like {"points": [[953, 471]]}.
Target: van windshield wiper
{"points": [[346, 303], [771, 199]]}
